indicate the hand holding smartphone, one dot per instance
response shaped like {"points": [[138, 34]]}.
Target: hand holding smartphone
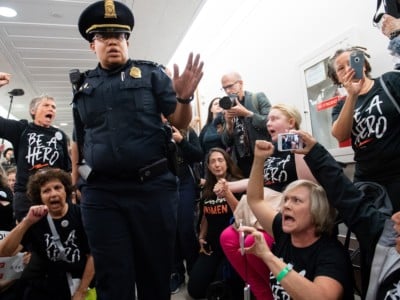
{"points": [[241, 238], [357, 63], [241, 242], [289, 142]]}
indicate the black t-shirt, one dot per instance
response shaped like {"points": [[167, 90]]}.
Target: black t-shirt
{"points": [[219, 216], [40, 147], [7, 220], [72, 235], [375, 133], [35, 147], [279, 170], [389, 289], [326, 257]]}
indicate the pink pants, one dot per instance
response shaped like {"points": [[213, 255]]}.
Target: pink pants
{"points": [[256, 273]]}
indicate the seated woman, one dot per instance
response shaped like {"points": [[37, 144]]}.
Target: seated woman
{"points": [[368, 214], [217, 205], [64, 249], [280, 169], [307, 261]]}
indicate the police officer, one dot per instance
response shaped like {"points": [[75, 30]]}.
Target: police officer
{"points": [[129, 199]]}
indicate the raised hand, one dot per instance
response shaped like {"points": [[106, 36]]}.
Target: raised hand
{"points": [[4, 78], [263, 149], [186, 83], [36, 213]]}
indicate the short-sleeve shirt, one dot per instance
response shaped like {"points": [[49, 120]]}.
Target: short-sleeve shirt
{"points": [[219, 216], [121, 114], [325, 257], [375, 134], [72, 235]]}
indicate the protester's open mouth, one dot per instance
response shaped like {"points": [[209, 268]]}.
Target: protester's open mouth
{"points": [[54, 202], [288, 218]]}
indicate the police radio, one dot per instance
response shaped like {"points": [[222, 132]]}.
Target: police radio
{"points": [[76, 78]]}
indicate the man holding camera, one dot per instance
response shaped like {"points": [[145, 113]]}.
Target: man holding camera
{"points": [[245, 120]]}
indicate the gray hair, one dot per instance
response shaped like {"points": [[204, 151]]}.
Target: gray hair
{"points": [[323, 214], [36, 101]]}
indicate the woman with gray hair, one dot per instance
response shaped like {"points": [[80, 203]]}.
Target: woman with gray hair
{"points": [[36, 144], [307, 261]]}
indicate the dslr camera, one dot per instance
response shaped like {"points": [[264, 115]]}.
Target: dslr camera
{"points": [[229, 101]]}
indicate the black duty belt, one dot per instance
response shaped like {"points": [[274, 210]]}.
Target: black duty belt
{"points": [[146, 173], [153, 170]]}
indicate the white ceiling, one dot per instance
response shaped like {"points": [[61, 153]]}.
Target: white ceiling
{"points": [[41, 44]]}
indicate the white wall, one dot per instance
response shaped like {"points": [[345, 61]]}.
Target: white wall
{"points": [[268, 42]]}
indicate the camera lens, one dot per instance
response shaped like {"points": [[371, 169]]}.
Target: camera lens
{"points": [[225, 102]]}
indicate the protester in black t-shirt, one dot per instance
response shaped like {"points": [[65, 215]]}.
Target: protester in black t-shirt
{"points": [[64, 262], [307, 261], [370, 116], [217, 205]]}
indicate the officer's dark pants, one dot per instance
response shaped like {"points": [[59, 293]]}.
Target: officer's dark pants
{"points": [[131, 229]]}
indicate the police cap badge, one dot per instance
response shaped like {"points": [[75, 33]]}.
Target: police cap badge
{"points": [[105, 16]]}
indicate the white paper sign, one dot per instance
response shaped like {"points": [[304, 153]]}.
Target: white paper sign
{"points": [[11, 267]]}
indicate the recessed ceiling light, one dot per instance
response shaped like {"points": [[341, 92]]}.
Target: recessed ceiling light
{"points": [[63, 124], [7, 12]]}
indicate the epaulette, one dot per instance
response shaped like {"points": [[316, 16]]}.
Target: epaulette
{"points": [[91, 73], [148, 62]]}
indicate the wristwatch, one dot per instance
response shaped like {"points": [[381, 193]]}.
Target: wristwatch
{"points": [[184, 101]]}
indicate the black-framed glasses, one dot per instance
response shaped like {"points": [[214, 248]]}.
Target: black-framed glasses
{"points": [[102, 37], [229, 86]]}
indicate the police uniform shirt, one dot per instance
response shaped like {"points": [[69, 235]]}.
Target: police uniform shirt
{"points": [[120, 110]]}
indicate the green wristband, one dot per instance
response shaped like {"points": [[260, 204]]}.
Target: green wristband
{"points": [[282, 274]]}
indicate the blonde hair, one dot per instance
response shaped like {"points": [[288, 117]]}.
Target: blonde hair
{"points": [[290, 112], [322, 213]]}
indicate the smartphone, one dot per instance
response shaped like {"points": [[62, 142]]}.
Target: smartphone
{"points": [[241, 242], [357, 63], [289, 141], [246, 292]]}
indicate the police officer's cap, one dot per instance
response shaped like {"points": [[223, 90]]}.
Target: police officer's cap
{"points": [[105, 16]]}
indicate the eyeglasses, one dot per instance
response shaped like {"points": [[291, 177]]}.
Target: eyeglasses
{"points": [[102, 37], [229, 86]]}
